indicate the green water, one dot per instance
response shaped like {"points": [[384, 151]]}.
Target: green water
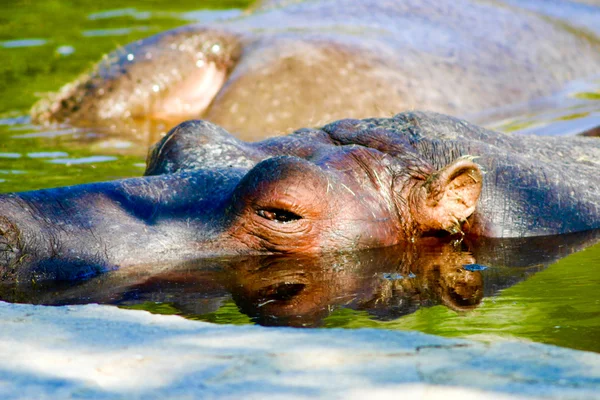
{"points": [[46, 43]]}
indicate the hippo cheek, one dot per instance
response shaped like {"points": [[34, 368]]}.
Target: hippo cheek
{"points": [[366, 214], [290, 205]]}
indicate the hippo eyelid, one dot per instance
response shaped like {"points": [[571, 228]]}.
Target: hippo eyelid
{"points": [[278, 215]]}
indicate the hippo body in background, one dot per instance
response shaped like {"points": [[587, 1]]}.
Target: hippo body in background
{"points": [[305, 63], [353, 184]]}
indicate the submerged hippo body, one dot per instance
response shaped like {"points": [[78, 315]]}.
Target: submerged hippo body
{"points": [[305, 63], [352, 184]]}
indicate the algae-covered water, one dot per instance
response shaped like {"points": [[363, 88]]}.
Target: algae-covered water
{"points": [[549, 297]]}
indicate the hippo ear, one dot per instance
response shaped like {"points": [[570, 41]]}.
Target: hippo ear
{"points": [[448, 197]]}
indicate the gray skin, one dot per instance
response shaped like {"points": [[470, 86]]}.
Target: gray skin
{"points": [[353, 184], [286, 64]]}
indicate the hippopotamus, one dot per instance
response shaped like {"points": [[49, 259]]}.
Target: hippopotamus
{"points": [[350, 185], [285, 64]]}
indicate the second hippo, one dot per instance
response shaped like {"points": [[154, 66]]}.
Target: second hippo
{"points": [[286, 64]]}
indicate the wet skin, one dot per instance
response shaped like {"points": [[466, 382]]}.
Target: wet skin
{"points": [[353, 184], [305, 63], [302, 290]]}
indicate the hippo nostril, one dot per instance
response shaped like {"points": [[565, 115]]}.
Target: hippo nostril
{"points": [[278, 215]]}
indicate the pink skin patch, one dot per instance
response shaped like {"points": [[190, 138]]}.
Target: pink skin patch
{"points": [[191, 96]]}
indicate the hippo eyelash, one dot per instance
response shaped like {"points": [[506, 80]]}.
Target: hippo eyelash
{"points": [[278, 215]]}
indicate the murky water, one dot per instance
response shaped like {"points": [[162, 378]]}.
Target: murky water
{"points": [[529, 289]]}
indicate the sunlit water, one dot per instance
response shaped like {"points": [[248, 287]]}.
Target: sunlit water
{"points": [[542, 299]]}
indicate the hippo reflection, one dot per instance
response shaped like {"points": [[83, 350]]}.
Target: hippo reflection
{"points": [[304, 63], [353, 184], [304, 290]]}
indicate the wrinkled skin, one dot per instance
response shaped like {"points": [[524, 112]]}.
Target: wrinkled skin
{"points": [[350, 185], [305, 63]]}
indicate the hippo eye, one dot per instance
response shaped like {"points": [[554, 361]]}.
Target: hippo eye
{"points": [[278, 215]]}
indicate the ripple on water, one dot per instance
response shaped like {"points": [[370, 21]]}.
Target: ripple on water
{"points": [[48, 154], [115, 31], [82, 160], [574, 111], [120, 12], [12, 44], [52, 133], [11, 155]]}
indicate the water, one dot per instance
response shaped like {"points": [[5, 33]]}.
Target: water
{"points": [[533, 290], [39, 54]]}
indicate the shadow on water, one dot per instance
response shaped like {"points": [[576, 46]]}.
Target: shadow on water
{"points": [[382, 285]]}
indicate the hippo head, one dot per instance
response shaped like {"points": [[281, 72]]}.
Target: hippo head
{"points": [[350, 185], [346, 199]]}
